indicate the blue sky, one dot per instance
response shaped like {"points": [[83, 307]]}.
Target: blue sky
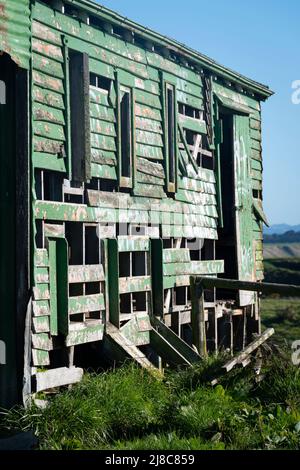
{"points": [[259, 39]]}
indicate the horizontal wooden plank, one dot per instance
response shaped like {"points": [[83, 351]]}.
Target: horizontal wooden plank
{"points": [[103, 171], [173, 255], [149, 151], [41, 324], [196, 185], [193, 197], [190, 100], [85, 334], [149, 138], [54, 230], [44, 145], [47, 49], [193, 268], [42, 341], [48, 114], [41, 292], [99, 96], [105, 113], [40, 307], [192, 124], [41, 31], [178, 231], [49, 130], [103, 157], [171, 282], [41, 275], [47, 65], [88, 273], [86, 303], [134, 284], [40, 357], [103, 142], [145, 98], [41, 257], [103, 127], [57, 378], [150, 168], [48, 82], [149, 190], [145, 111], [149, 125], [48, 161], [47, 97], [127, 244], [149, 179]]}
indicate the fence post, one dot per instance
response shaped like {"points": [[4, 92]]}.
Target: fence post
{"points": [[198, 316]]}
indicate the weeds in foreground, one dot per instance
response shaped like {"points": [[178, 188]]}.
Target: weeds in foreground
{"points": [[129, 409]]}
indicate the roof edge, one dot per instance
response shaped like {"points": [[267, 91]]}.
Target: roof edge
{"points": [[263, 91]]}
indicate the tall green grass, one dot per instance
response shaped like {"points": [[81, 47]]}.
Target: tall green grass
{"points": [[129, 409]]}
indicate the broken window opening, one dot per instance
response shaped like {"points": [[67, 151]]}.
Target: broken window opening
{"points": [[126, 144], [100, 82], [140, 302], [171, 137], [80, 116], [2, 92], [49, 185], [39, 237], [74, 236]]}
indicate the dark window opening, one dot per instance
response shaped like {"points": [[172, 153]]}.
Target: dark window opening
{"points": [[98, 81], [189, 111], [2, 92], [75, 290], [49, 185], [124, 264], [74, 236], [208, 250], [92, 288], [39, 237], [207, 162], [80, 116], [126, 135], [38, 177], [139, 302], [125, 303], [70, 11], [92, 246], [139, 263], [181, 296], [171, 137], [226, 244]]}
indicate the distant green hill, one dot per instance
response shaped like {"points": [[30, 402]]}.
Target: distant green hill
{"points": [[288, 237], [281, 250], [283, 271]]}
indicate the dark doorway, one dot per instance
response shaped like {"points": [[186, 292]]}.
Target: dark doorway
{"points": [[226, 245]]}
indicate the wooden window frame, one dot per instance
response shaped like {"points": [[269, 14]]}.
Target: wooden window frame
{"points": [[126, 182], [78, 106], [167, 84]]}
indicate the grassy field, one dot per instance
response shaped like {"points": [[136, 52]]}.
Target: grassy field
{"points": [[282, 314], [129, 409]]}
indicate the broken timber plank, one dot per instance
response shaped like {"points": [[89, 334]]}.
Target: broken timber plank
{"points": [[242, 357], [114, 334], [57, 378]]}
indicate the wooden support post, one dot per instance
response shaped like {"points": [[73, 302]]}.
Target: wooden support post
{"points": [[157, 277], [113, 282], [198, 317]]}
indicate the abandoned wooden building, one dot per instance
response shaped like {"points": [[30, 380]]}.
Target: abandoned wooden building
{"points": [[129, 162]]}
